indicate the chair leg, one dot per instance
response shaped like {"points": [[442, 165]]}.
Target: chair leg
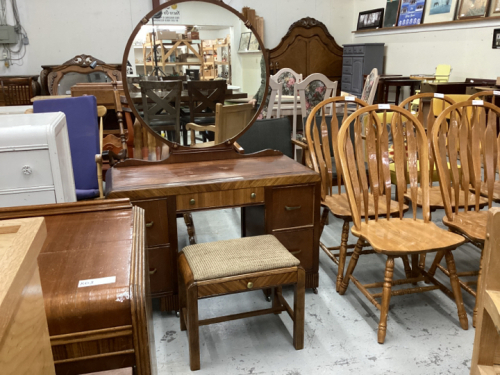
{"points": [[299, 310], [386, 298], [479, 277], [276, 302], [352, 264], [437, 260], [193, 327], [188, 220], [406, 264], [323, 220], [342, 253], [182, 300], [457, 292]]}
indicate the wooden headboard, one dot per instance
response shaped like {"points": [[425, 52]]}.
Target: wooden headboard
{"points": [[308, 48]]}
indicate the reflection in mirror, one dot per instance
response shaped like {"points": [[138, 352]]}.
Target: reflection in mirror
{"points": [[72, 78], [189, 63]]}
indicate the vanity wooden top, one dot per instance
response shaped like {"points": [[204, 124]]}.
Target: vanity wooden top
{"points": [[160, 179]]}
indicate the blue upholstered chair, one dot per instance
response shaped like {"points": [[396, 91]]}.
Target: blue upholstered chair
{"points": [[83, 131]]}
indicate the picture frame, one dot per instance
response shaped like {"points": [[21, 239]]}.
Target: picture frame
{"points": [[244, 42], [473, 9], [440, 11], [370, 19], [391, 13], [411, 12], [253, 44], [495, 6], [496, 39]]}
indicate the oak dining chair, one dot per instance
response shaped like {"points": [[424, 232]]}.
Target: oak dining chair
{"points": [[322, 141], [16, 91], [472, 143], [393, 237]]}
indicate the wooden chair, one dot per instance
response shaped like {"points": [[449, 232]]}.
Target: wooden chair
{"points": [[322, 141], [235, 266], [282, 83], [17, 91], [203, 97], [438, 103], [393, 237], [229, 121], [161, 102], [471, 141], [311, 91], [487, 340]]}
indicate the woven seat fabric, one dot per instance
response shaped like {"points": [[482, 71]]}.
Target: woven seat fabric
{"points": [[240, 256]]}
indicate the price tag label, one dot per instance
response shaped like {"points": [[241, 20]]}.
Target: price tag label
{"points": [[384, 106], [477, 102], [496, 92], [350, 98], [441, 96], [94, 282]]}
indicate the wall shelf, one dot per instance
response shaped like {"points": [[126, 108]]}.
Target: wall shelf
{"points": [[428, 27]]}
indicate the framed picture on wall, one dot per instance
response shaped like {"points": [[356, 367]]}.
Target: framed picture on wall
{"points": [[391, 13], [495, 6], [411, 12], [496, 39], [370, 19], [473, 9], [440, 11], [253, 45], [244, 42]]}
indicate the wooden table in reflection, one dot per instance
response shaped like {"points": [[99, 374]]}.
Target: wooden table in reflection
{"points": [[137, 98]]}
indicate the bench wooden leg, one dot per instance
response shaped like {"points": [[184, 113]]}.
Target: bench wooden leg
{"points": [[193, 327], [386, 298], [457, 292], [299, 310]]}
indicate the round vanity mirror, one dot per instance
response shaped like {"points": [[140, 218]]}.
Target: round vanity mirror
{"points": [[190, 69]]}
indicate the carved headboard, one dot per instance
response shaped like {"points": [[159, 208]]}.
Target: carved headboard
{"points": [[51, 75], [308, 48]]}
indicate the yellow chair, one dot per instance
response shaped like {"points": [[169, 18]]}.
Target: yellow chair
{"points": [[441, 75]]}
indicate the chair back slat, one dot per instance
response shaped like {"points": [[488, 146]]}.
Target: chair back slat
{"points": [[430, 124], [453, 143], [321, 164], [360, 160], [464, 157], [489, 151], [326, 151], [399, 158], [476, 154], [373, 173], [384, 157], [352, 168], [334, 130], [412, 165]]}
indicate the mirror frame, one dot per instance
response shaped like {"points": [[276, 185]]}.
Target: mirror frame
{"points": [[175, 147]]}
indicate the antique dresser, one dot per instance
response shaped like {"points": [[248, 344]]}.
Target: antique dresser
{"points": [[35, 159], [95, 290]]}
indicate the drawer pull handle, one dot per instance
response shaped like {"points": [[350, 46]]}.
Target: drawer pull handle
{"points": [[153, 271], [295, 252], [27, 170], [250, 285], [292, 208], [253, 195], [192, 202], [149, 225]]}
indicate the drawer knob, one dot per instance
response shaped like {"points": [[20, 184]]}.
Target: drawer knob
{"points": [[192, 202], [153, 271], [292, 208], [149, 225], [253, 195], [250, 285], [27, 170]]}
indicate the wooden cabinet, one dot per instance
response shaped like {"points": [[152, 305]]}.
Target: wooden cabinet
{"points": [[358, 61]]}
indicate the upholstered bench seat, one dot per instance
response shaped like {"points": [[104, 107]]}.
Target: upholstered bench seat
{"points": [[235, 266], [237, 257]]}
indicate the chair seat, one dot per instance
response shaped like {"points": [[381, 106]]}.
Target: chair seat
{"points": [[399, 237], [339, 206], [436, 199], [240, 256], [472, 224]]}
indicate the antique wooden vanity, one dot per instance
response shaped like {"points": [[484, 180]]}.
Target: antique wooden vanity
{"points": [[202, 178]]}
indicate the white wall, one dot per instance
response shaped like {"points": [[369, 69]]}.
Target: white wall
{"points": [[467, 50]]}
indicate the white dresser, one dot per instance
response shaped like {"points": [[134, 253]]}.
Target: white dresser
{"points": [[35, 160]]}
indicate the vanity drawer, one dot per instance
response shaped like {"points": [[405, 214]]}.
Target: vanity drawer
{"points": [[188, 202], [347, 78], [348, 50], [25, 169], [347, 69], [346, 87], [161, 268], [292, 206], [347, 61], [359, 50], [300, 244], [156, 221]]}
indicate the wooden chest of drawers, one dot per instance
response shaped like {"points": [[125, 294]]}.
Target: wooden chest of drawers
{"points": [[279, 196], [92, 271]]}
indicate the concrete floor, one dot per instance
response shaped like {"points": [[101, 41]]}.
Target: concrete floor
{"points": [[424, 335]]}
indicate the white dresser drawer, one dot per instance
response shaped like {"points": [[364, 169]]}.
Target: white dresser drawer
{"points": [[25, 169], [27, 198]]}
